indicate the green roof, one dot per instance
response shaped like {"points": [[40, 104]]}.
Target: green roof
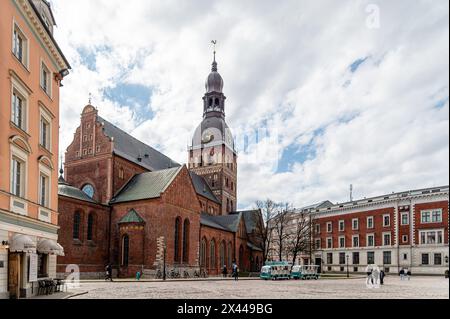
{"points": [[146, 185], [132, 217]]}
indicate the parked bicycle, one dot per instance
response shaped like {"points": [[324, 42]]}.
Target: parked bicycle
{"points": [[174, 274], [159, 274], [186, 274]]}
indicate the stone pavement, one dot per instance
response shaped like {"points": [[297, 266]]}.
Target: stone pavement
{"points": [[418, 287]]}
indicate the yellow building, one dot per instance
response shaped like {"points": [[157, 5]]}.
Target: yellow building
{"points": [[32, 67]]}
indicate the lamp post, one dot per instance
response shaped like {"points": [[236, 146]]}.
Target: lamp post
{"points": [[348, 275]]}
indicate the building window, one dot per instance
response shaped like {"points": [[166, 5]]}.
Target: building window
{"points": [[355, 258], [341, 225], [329, 227], [317, 228], [438, 259], [370, 222], [90, 227], [342, 242], [386, 239], [405, 219], [370, 257], [355, 224], [356, 241], [212, 254], [386, 220], [425, 259], [125, 250], [329, 242], [76, 225], [45, 79], [222, 254], [330, 258], [405, 238], [88, 189], [186, 229], [121, 173], [318, 246], [44, 190], [42, 266], [45, 133], [405, 256], [431, 237], [18, 177], [230, 253], [203, 253], [177, 238], [20, 45], [387, 258], [18, 110], [341, 258], [370, 240], [431, 216]]}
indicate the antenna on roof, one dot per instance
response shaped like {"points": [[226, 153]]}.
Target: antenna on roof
{"points": [[351, 192]]}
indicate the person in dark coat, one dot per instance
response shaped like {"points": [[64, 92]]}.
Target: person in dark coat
{"points": [[235, 271], [108, 272], [224, 271], [382, 274]]}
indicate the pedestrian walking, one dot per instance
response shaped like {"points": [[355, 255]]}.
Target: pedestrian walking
{"points": [[138, 275], [402, 274], [108, 269], [235, 271], [382, 274], [408, 274], [224, 271]]}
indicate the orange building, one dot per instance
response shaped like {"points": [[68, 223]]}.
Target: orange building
{"points": [[32, 67]]}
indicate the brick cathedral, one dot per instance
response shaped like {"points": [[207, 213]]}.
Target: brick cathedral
{"points": [[123, 202]]}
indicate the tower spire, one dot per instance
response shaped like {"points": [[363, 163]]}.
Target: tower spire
{"points": [[214, 64]]}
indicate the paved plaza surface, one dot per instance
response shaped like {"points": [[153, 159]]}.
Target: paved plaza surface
{"points": [[355, 288]]}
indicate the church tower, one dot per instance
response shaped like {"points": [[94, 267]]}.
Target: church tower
{"points": [[212, 154]]}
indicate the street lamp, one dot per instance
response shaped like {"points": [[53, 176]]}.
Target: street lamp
{"points": [[348, 275]]}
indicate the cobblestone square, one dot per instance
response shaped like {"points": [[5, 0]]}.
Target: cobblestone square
{"points": [[355, 288]]}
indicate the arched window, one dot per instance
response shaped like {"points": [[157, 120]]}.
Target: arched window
{"points": [[186, 240], [76, 225], [222, 253], [88, 189], [241, 258], [210, 102], [230, 253], [90, 226], [212, 254], [177, 238], [203, 253], [125, 249], [217, 102]]}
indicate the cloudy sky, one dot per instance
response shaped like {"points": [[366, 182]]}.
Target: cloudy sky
{"points": [[347, 92]]}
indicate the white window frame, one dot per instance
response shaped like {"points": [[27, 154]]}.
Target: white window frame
{"points": [[426, 238], [19, 200], [407, 218], [318, 244], [384, 219], [353, 241], [390, 239], [431, 211], [330, 246], [372, 219], [48, 90], [44, 115], [44, 210], [405, 238], [341, 223], [353, 223], [329, 227], [25, 45], [340, 238], [317, 228], [18, 89], [367, 240]]}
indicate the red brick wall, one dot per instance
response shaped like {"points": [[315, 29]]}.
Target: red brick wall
{"points": [[129, 170], [208, 205], [426, 206], [404, 229], [91, 256], [378, 229], [136, 235], [218, 236]]}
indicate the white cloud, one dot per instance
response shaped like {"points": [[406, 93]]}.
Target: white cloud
{"points": [[285, 64]]}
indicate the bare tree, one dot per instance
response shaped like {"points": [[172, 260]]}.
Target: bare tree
{"points": [[264, 226], [299, 240], [281, 228]]}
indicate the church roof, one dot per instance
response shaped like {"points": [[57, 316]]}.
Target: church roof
{"points": [[64, 189], [250, 218], [202, 188], [132, 149], [146, 185], [131, 217], [223, 222]]}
